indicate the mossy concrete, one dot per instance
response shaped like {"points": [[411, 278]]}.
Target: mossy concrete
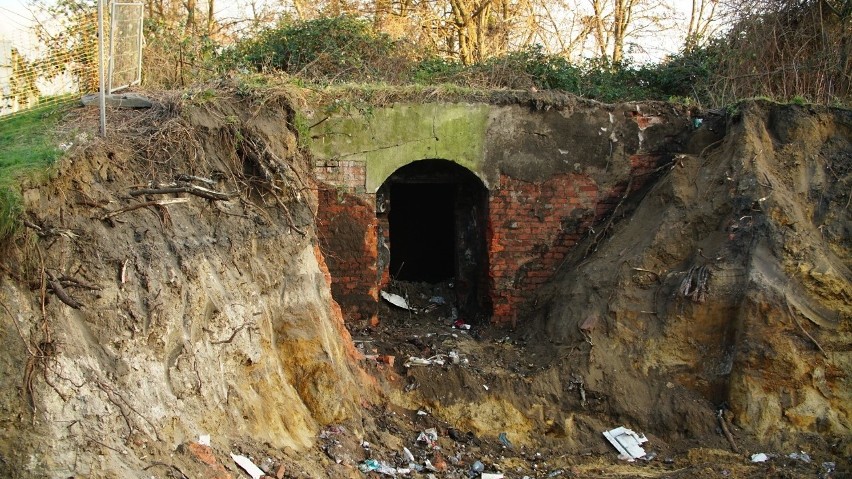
{"points": [[389, 138]]}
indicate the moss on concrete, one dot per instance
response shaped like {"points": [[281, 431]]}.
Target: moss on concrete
{"points": [[391, 137]]}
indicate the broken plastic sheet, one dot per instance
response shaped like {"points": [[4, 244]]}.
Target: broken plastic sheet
{"points": [[627, 442], [395, 300], [438, 359]]}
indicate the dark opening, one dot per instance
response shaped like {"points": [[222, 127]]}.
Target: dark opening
{"points": [[422, 231], [436, 228]]}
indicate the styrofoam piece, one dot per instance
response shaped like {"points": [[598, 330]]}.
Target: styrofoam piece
{"points": [[626, 441]]}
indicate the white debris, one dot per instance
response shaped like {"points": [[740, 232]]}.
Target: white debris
{"points": [[627, 442], [438, 359], [408, 455], [395, 300], [759, 457], [247, 466], [800, 456], [204, 439], [492, 475]]}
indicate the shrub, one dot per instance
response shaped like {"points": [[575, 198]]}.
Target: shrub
{"points": [[327, 49]]}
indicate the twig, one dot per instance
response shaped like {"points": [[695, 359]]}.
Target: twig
{"points": [[711, 145], [191, 189], [144, 205], [723, 423], [799, 324], [233, 335], [60, 292], [201, 179]]}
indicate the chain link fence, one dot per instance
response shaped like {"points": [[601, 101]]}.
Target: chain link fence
{"points": [[53, 64]]}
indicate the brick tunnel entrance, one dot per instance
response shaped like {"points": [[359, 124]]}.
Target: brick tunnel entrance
{"points": [[433, 214]]}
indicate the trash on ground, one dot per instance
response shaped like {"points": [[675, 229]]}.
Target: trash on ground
{"points": [[395, 300], [204, 439], [438, 359], [429, 436], [492, 475], [372, 465], [459, 324], [759, 457], [800, 456], [407, 454], [438, 300], [627, 442], [454, 357], [421, 412], [332, 431], [504, 439], [248, 466], [477, 466]]}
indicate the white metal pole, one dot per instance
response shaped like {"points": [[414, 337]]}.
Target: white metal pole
{"points": [[102, 93]]}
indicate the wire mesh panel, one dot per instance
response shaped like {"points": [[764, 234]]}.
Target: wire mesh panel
{"points": [[125, 45], [35, 75]]}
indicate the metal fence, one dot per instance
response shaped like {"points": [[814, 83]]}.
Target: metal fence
{"points": [[39, 70]]}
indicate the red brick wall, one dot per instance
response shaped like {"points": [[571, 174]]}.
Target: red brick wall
{"points": [[346, 224], [533, 226]]}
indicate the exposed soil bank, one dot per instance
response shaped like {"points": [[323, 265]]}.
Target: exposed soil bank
{"points": [[725, 282], [195, 317]]}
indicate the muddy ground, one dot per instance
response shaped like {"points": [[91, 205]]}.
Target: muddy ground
{"points": [[131, 330]]}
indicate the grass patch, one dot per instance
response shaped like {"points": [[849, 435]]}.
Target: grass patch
{"points": [[28, 146]]}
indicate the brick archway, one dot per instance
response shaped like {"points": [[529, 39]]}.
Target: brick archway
{"points": [[432, 217]]}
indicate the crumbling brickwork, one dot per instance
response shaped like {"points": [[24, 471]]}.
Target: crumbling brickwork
{"points": [[347, 227]]}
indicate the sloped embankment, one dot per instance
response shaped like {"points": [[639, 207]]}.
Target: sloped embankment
{"points": [[728, 286], [135, 321]]}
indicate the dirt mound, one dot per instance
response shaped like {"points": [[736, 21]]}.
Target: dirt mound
{"points": [[135, 321], [727, 286]]}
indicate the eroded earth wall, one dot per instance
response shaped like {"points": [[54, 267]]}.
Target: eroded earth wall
{"points": [[182, 316]]}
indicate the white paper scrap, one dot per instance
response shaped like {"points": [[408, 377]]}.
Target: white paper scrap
{"points": [[247, 466]]}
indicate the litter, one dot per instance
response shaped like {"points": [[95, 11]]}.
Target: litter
{"points": [[204, 439], [459, 324], [248, 466], [422, 413], [477, 466], [759, 457], [800, 456], [437, 300], [396, 300], [415, 361], [504, 440], [407, 454], [626, 442], [454, 357], [491, 475], [429, 436], [371, 465]]}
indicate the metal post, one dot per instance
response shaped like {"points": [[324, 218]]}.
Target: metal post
{"points": [[102, 93]]}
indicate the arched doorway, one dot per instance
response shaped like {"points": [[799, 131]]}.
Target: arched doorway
{"points": [[435, 213]]}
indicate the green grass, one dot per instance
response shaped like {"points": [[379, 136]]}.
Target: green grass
{"points": [[28, 146]]}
